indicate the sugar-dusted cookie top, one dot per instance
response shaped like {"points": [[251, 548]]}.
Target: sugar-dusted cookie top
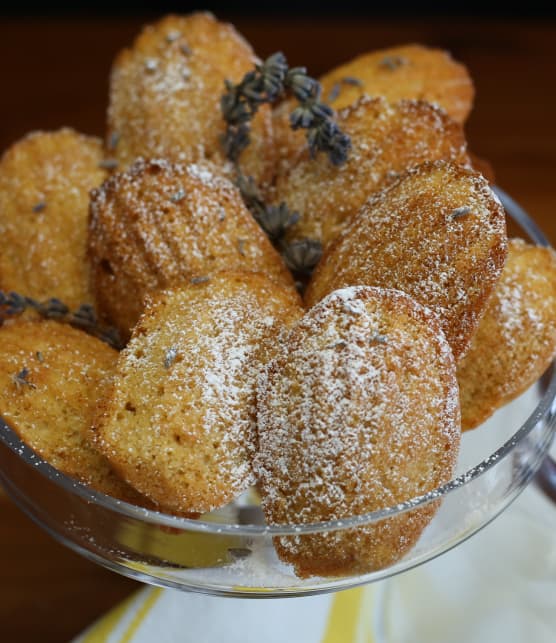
{"points": [[45, 179], [178, 422], [161, 224], [51, 379], [438, 234], [165, 93], [358, 412], [387, 139], [410, 72], [516, 338]]}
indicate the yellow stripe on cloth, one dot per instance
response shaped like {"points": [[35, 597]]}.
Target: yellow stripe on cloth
{"points": [[105, 628], [344, 619], [140, 615], [100, 632]]}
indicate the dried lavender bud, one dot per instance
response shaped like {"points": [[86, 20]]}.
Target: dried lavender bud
{"points": [[53, 309], [275, 220], [351, 80], [113, 141], [303, 87], [199, 280], [108, 164], [303, 255], [273, 73], [392, 62], [235, 140], [11, 304], [302, 117], [20, 379], [84, 316], [460, 212], [328, 135], [265, 84], [249, 191], [39, 207], [334, 92]]}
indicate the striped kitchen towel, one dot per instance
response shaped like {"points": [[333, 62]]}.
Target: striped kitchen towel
{"points": [[153, 615], [498, 587]]}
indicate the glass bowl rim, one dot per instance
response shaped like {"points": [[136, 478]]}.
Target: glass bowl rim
{"points": [[11, 440]]}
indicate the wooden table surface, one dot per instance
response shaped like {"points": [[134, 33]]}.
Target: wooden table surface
{"points": [[54, 73]]}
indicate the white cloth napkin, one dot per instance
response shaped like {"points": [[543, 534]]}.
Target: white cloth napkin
{"points": [[169, 616], [498, 587]]}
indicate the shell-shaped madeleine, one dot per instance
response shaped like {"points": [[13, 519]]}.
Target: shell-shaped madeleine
{"points": [[51, 378], [178, 422], [386, 140], [165, 93], [161, 224], [45, 179], [516, 338], [409, 71], [358, 412], [438, 234]]}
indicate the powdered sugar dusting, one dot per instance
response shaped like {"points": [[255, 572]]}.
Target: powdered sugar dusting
{"points": [[347, 424], [182, 431], [517, 334], [437, 233], [45, 180], [160, 223], [165, 94]]}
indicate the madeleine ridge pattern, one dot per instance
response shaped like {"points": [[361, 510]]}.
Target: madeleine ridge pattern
{"points": [[358, 411], [438, 233], [161, 224]]}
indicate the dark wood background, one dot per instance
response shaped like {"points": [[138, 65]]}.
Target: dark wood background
{"points": [[54, 73]]}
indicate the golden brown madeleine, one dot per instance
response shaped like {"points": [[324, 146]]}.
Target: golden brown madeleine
{"points": [[165, 95], [159, 225], [516, 338], [45, 181], [410, 71], [358, 412], [438, 234], [51, 378], [178, 422], [386, 140]]}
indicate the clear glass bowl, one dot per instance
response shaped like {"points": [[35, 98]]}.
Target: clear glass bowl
{"points": [[230, 552]]}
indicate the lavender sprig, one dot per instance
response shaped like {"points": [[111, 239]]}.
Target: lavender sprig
{"points": [[13, 304], [265, 84], [301, 256], [275, 220]]}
